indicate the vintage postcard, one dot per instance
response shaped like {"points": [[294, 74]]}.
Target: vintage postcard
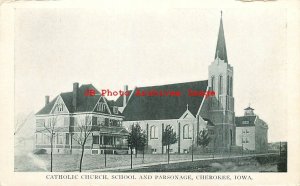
{"points": [[155, 93]]}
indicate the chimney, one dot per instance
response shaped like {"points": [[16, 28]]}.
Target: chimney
{"points": [[75, 95], [47, 100], [124, 96]]}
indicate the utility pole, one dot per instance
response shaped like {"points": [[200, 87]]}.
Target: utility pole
{"points": [[242, 144], [193, 145], [104, 155], [131, 150], [280, 149], [130, 157]]}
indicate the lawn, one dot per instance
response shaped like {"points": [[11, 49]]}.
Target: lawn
{"points": [[64, 162], [70, 163]]}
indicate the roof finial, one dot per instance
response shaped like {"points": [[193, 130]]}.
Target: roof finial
{"points": [[221, 13], [187, 106], [249, 104]]}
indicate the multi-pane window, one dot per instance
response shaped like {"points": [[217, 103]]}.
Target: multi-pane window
{"points": [[40, 123], [245, 140], [67, 138], [60, 107], [246, 131], [46, 139], [59, 139], [101, 107], [106, 122], [95, 139], [100, 121], [39, 138], [245, 122], [115, 110]]}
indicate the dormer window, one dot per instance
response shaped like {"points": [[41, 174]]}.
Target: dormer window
{"points": [[101, 107], [60, 107], [245, 122], [115, 110]]}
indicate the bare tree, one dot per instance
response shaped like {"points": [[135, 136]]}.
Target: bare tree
{"points": [[83, 130], [21, 122], [49, 129]]}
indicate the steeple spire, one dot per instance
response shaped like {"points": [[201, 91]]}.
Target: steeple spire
{"points": [[221, 52]]}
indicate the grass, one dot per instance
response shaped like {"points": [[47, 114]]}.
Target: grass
{"points": [[70, 163], [65, 162]]}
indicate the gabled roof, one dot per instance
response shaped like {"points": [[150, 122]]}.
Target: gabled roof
{"points": [[84, 103], [239, 121], [164, 107], [46, 109]]}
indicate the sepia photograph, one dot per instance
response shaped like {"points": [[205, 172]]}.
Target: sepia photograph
{"points": [[178, 90], [137, 92]]}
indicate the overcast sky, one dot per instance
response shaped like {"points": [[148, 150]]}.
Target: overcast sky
{"points": [[111, 48]]}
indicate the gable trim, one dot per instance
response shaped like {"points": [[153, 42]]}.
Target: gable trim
{"points": [[96, 104], [59, 96], [201, 105], [187, 112]]}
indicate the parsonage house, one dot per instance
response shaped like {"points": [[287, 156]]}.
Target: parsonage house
{"points": [[72, 115], [186, 114]]}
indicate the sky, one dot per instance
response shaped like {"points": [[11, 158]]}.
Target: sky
{"points": [[115, 47]]}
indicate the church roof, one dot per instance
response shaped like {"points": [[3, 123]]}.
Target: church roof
{"points": [[221, 52], [164, 107], [84, 103]]}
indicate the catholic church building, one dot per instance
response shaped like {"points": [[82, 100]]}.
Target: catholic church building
{"points": [[187, 114]]}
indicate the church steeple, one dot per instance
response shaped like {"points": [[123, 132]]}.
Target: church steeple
{"points": [[221, 52]]}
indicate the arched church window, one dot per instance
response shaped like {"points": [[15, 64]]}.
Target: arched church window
{"points": [[186, 131], [153, 132], [228, 85], [212, 82], [231, 87], [231, 137], [221, 85]]}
